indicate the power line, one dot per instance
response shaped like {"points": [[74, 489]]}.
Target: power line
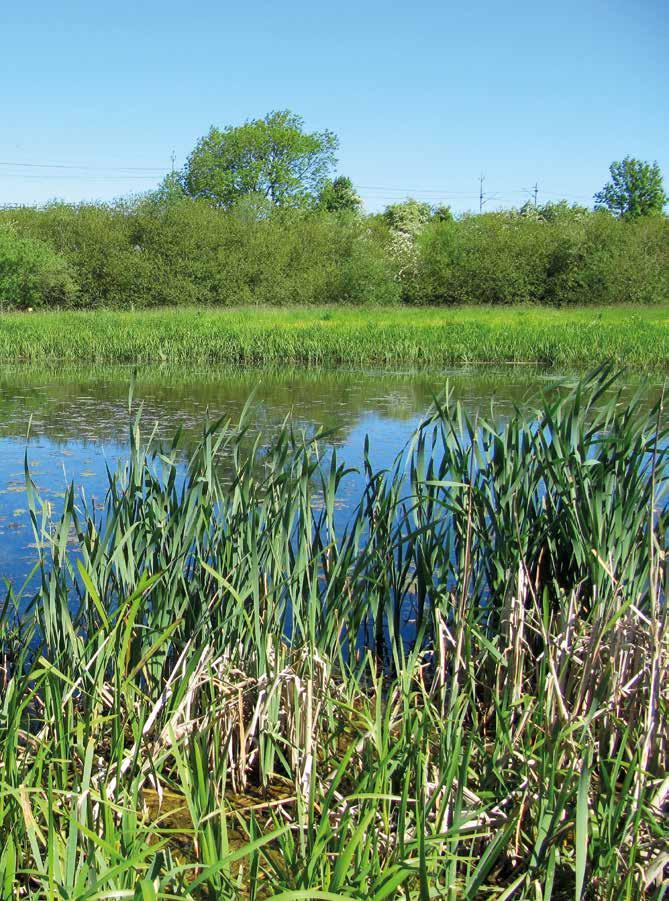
{"points": [[444, 191], [161, 169], [533, 192], [388, 192], [87, 167], [484, 197], [49, 177], [568, 196]]}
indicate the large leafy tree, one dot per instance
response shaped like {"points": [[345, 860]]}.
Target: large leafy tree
{"points": [[635, 190], [272, 158]]}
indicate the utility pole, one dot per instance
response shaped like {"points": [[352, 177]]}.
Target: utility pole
{"points": [[173, 158], [481, 180], [533, 193]]}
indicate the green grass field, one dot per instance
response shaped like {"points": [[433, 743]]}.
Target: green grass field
{"points": [[637, 337]]}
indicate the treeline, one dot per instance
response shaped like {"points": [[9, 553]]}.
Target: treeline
{"points": [[173, 250]]}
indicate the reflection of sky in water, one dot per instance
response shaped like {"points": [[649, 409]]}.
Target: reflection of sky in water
{"points": [[52, 466], [78, 423]]}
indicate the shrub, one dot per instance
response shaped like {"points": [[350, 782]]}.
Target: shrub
{"points": [[575, 257], [186, 252], [99, 242], [172, 250], [489, 259], [32, 274]]}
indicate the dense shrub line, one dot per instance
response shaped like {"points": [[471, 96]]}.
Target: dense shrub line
{"points": [[184, 252], [591, 258]]}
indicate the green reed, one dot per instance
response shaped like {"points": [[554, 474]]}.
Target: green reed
{"points": [[222, 687]]}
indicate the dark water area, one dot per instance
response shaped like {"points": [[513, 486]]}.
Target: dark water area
{"points": [[73, 425]]}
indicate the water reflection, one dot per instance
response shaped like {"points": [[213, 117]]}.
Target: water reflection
{"points": [[73, 424]]}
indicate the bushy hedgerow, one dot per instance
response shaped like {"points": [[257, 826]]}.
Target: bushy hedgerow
{"points": [[290, 257], [186, 252], [499, 258], [174, 251], [32, 274]]}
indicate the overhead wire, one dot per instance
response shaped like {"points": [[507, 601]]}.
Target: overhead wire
{"points": [[80, 171], [87, 167]]}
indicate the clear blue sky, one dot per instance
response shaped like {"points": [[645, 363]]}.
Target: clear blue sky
{"points": [[425, 96]]}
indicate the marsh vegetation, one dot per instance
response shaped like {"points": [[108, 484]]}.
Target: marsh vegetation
{"points": [[218, 690], [634, 337]]}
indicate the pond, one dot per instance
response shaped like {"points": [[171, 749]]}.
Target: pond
{"points": [[73, 424]]}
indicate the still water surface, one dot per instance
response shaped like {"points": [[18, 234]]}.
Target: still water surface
{"points": [[74, 424]]}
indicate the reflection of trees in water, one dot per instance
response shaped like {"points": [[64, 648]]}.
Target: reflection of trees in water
{"points": [[91, 404]]}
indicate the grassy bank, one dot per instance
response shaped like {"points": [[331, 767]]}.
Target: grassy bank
{"points": [[214, 691], [637, 337]]}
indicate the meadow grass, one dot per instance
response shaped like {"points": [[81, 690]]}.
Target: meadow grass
{"points": [[636, 337], [216, 690]]}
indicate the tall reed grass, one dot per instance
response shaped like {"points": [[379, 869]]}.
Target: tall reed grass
{"points": [[217, 687]]}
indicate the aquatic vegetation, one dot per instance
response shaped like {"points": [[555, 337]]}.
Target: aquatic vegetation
{"points": [[636, 337], [218, 689]]}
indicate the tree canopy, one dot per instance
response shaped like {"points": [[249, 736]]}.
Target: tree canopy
{"points": [[339, 196], [635, 189], [273, 158], [408, 217]]}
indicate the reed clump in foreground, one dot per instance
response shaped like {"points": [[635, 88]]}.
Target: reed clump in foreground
{"points": [[224, 688]]}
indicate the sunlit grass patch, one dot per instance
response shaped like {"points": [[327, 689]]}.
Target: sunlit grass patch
{"points": [[565, 338]]}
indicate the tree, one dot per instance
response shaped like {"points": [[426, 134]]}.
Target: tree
{"points": [[339, 196], [635, 190], [168, 193], [272, 158], [562, 211], [442, 213], [552, 211]]}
